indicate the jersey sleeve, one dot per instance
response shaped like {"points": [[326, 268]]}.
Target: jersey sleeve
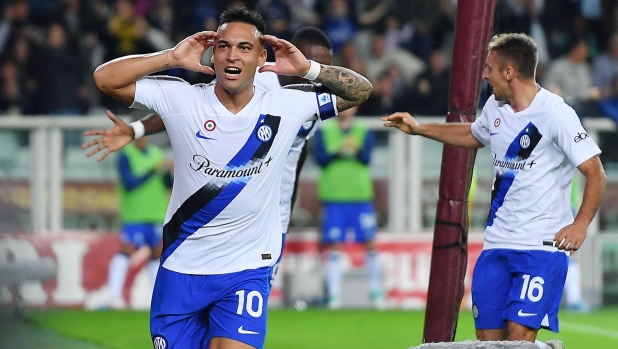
{"points": [[327, 103], [306, 102], [569, 134], [163, 95], [480, 128]]}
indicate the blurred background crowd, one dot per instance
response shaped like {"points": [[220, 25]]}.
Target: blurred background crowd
{"points": [[49, 48]]}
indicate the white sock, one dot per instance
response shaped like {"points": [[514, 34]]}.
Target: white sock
{"points": [[572, 284], [333, 274], [118, 267], [542, 345], [153, 268], [373, 272]]}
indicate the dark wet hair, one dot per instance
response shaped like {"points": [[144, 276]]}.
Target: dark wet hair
{"points": [[244, 15], [311, 36]]}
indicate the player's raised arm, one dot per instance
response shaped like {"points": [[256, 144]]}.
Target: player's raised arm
{"points": [[456, 134], [350, 87], [117, 77]]}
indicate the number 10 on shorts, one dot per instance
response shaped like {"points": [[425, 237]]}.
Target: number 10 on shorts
{"points": [[532, 288], [251, 296]]}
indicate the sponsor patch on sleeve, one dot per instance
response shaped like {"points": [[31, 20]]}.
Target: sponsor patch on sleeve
{"points": [[326, 103]]}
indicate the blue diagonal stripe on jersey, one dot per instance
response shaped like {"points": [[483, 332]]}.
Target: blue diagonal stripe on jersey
{"points": [[514, 153], [254, 149], [206, 203], [176, 234]]}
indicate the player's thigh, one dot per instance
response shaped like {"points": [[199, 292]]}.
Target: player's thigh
{"points": [[179, 310], [491, 286], [538, 282], [241, 314], [227, 343], [333, 223], [362, 218]]}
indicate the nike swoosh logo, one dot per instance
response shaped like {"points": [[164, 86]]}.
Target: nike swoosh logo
{"points": [[242, 331], [493, 133], [522, 314], [200, 135]]}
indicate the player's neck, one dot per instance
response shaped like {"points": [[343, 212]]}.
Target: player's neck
{"points": [[234, 102], [523, 94]]}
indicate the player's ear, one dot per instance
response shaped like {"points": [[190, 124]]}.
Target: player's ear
{"points": [[509, 72], [262, 59]]}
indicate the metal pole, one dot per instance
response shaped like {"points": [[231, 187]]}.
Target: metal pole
{"points": [[415, 173], [38, 171], [397, 181], [55, 179]]}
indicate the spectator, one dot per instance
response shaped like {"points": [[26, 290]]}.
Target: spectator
{"points": [[429, 93], [342, 148], [13, 98], [525, 18], [17, 85], [605, 67], [61, 80], [339, 24], [370, 16], [609, 106], [408, 64], [570, 76], [397, 34], [388, 93], [303, 13]]}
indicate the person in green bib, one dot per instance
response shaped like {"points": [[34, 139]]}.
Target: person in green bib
{"points": [[143, 189], [342, 148]]}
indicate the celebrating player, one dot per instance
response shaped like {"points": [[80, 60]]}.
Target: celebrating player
{"points": [[222, 231], [314, 45], [536, 141]]}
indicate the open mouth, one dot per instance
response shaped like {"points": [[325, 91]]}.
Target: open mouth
{"points": [[232, 72]]}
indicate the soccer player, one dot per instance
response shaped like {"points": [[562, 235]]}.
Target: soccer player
{"points": [[222, 231], [314, 45], [536, 141]]}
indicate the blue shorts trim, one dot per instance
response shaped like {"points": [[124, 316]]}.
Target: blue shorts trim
{"points": [[187, 311], [522, 286], [140, 234], [339, 217]]}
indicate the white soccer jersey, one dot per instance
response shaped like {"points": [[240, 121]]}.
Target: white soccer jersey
{"points": [[535, 153], [270, 81], [223, 214]]}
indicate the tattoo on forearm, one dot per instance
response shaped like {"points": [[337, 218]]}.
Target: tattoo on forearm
{"points": [[351, 87]]}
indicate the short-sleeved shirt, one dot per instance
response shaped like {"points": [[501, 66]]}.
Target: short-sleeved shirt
{"points": [[535, 153], [223, 214]]}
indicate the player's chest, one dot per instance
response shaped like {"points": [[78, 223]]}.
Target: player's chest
{"points": [[515, 137]]}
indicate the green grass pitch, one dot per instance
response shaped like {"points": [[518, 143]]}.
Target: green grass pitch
{"points": [[320, 328]]}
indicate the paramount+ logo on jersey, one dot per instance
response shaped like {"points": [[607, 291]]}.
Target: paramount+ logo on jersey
{"points": [[201, 164], [512, 165]]}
